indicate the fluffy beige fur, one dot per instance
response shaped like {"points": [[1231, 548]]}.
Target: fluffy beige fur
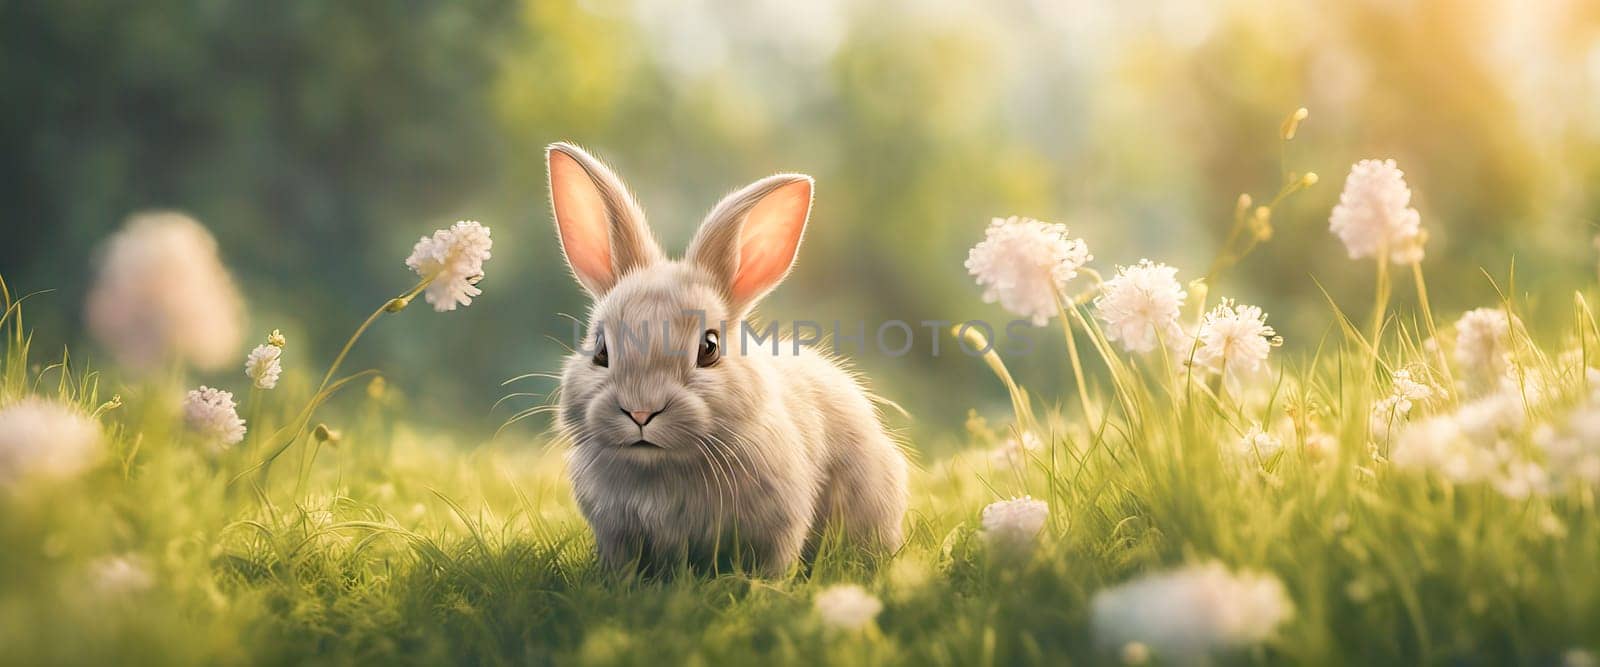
{"points": [[752, 458]]}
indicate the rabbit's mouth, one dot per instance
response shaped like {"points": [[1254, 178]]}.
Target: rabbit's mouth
{"points": [[644, 444]]}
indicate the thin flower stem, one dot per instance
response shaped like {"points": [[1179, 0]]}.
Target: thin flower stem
{"points": [[266, 461], [1077, 364], [310, 409], [1427, 318], [1380, 306], [255, 415], [351, 343], [1020, 406]]}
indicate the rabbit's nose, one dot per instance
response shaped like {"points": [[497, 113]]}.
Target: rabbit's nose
{"points": [[642, 417]]}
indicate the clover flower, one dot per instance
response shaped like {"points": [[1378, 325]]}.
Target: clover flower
{"points": [[1374, 213], [212, 414], [264, 366], [1014, 523], [1522, 479], [1483, 341], [1394, 409], [1469, 445], [1438, 444], [452, 260], [162, 293], [45, 439], [1258, 443], [1235, 339], [1182, 615], [1572, 447], [1140, 306], [847, 607], [1023, 263]]}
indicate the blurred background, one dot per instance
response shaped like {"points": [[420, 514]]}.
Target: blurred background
{"points": [[319, 140]]}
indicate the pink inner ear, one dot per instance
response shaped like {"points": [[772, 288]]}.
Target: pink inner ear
{"points": [[769, 239], [581, 218]]}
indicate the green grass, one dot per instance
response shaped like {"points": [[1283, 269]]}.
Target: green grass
{"points": [[399, 545]]}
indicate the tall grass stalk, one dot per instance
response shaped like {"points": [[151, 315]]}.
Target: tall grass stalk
{"points": [[1021, 406], [1077, 364], [1423, 302], [1380, 302]]}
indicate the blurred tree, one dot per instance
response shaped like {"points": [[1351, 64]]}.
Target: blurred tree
{"points": [[318, 140], [297, 131]]}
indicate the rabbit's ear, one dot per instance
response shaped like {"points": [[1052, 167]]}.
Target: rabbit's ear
{"points": [[749, 240], [603, 232]]}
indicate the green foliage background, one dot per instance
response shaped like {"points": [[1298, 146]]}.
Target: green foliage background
{"points": [[318, 140]]}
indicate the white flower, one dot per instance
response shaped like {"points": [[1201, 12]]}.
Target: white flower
{"points": [[1410, 390], [1024, 263], [1014, 523], [1259, 444], [1375, 212], [120, 575], [263, 366], [1571, 367], [1437, 443], [1015, 452], [1492, 417], [1388, 413], [45, 439], [847, 607], [162, 293], [1522, 479], [1182, 615], [1483, 341], [212, 414], [1141, 306], [453, 259], [1235, 339], [1469, 445], [1392, 410], [1573, 450]]}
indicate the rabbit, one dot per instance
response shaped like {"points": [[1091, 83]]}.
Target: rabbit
{"points": [[702, 443]]}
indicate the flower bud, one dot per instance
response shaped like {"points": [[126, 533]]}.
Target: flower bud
{"points": [[1261, 223], [327, 435], [1291, 125]]}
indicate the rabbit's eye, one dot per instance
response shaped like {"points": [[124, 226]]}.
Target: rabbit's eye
{"points": [[601, 358], [710, 350]]}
